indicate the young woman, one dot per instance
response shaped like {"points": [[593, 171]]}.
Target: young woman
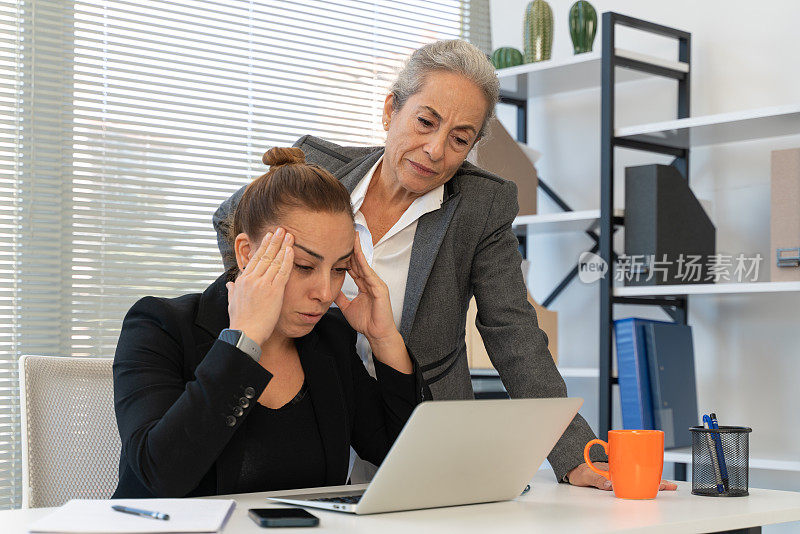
{"points": [[255, 384]]}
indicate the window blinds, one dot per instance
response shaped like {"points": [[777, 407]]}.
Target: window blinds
{"points": [[125, 123]]}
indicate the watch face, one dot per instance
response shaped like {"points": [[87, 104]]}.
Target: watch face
{"points": [[230, 336]]}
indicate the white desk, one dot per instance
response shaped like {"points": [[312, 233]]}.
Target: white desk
{"points": [[549, 507]]}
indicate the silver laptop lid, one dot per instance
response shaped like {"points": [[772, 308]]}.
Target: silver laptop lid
{"points": [[464, 452]]}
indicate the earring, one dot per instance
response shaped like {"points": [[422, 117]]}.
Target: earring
{"points": [[385, 124]]}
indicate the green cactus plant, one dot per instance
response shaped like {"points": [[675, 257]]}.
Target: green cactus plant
{"points": [[506, 57], [582, 26], [538, 31]]}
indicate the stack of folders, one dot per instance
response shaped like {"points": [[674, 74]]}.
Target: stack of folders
{"points": [[657, 388]]}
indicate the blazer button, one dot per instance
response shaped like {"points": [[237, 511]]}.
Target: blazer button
{"points": [[237, 411], [244, 403], [230, 420], [249, 392]]}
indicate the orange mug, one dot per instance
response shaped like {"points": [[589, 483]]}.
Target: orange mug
{"points": [[635, 462]]}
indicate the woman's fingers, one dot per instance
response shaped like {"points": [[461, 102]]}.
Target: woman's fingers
{"points": [[271, 253], [355, 260], [251, 264], [286, 264], [362, 267], [342, 301], [666, 485], [277, 262]]}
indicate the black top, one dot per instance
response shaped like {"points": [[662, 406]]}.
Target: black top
{"points": [[264, 458], [184, 401]]}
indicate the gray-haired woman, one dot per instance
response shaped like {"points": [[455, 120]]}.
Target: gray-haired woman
{"points": [[437, 230]]}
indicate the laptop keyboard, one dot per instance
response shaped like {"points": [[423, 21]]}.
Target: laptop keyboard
{"points": [[347, 499]]}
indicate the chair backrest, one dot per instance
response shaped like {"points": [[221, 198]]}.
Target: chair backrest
{"points": [[70, 442]]}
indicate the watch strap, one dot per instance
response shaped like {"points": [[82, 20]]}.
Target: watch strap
{"points": [[238, 339]]}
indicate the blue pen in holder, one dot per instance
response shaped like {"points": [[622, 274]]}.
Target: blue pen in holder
{"points": [[720, 460]]}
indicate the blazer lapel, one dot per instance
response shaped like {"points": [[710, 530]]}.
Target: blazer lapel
{"points": [[431, 228], [327, 397], [353, 172], [428, 237], [212, 311]]}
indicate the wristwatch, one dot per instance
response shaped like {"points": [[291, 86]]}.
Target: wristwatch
{"points": [[241, 342]]}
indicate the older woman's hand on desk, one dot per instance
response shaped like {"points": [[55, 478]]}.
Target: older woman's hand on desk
{"points": [[583, 476]]}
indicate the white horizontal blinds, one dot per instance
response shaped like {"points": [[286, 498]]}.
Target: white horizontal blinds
{"points": [[36, 68], [174, 104], [124, 125], [477, 24], [10, 220]]}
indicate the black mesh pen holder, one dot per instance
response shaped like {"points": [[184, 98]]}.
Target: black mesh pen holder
{"points": [[720, 461]]}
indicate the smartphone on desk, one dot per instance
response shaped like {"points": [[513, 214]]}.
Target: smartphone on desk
{"points": [[282, 517]]}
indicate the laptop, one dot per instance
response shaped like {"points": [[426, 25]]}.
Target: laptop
{"points": [[452, 453]]}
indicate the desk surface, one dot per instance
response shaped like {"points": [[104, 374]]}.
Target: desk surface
{"points": [[549, 507]]}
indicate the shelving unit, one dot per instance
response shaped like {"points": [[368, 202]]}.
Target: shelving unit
{"points": [[707, 289], [675, 138], [715, 129], [486, 383], [577, 72], [758, 460], [568, 221]]}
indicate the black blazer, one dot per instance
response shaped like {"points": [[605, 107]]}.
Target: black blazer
{"points": [[177, 389]]}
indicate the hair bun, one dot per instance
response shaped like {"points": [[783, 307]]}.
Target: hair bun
{"points": [[283, 156]]}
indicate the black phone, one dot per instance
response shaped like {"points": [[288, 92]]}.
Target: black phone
{"points": [[282, 517]]}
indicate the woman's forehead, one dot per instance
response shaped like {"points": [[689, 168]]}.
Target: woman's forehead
{"points": [[447, 92], [320, 234]]}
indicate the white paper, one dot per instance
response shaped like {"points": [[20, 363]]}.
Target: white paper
{"points": [[83, 516]]}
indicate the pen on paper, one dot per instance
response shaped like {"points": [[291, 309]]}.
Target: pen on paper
{"points": [[140, 513]]}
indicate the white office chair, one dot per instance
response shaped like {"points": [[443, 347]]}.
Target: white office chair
{"points": [[70, 442]]}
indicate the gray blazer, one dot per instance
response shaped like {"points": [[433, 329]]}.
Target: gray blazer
{"points": [[465, 247]]}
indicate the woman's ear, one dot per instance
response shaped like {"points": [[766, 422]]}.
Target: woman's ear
{"points": [[243, 249], [388, 109]]}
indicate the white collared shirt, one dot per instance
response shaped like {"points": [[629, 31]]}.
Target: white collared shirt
{"points": [[391, 256]]}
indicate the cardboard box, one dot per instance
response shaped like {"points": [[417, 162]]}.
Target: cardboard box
{"points": [[785, 216], [499, 153], [477, 356]]}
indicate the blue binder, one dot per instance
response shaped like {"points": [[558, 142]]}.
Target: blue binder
{"points": [[670, 354], [634, 375]]}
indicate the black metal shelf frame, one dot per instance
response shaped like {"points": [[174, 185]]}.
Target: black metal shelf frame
{"points": [[675, 306]]}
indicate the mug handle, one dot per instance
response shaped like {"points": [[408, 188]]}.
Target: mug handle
{"points": [[589, 461]]}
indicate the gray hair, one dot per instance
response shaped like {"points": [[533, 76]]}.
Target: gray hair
{"points": [[454, 56]]}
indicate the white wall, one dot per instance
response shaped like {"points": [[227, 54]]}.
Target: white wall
{"points": [[744, 55]]}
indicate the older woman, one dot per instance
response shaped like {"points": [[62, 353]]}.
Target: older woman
{"points": [[437, 230]]}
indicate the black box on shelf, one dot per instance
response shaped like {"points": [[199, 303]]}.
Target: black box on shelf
{"points": [[669, 238]]}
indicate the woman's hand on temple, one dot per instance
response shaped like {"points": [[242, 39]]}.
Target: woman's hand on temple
{"points": [[256, 297], [370, 313]]}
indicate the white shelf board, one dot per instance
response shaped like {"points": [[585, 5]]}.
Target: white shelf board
{"points": [[566, 372], [567, 221], [707, 289], [581, 71], [756, 461], [715, 129]]}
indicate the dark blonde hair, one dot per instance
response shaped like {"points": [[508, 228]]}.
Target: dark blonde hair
{"points": [[289, 183]]}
